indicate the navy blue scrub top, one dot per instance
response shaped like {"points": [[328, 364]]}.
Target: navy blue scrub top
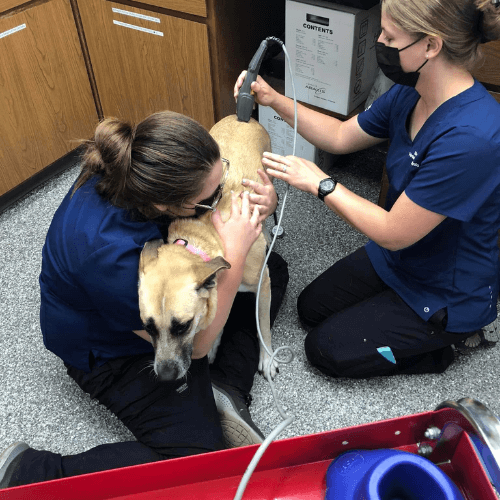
{"points": [[452, 167], [89, 280]]}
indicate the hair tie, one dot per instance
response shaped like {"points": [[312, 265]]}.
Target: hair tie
{"points": [[134, 131], [479, 26]]}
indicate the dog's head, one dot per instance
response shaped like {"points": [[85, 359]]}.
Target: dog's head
{"points": [[177, 298]]}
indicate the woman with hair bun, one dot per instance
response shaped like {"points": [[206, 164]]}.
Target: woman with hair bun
{"points": [[134, 181], [428, 278]]}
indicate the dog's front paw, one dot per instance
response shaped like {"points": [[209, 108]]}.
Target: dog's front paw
{"points": [[264, 364]]}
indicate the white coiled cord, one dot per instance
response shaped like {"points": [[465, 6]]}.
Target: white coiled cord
{"points": [[287, 419]]}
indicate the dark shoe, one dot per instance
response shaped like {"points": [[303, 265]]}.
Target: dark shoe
{"points": [[9, 460], [236, 423]]}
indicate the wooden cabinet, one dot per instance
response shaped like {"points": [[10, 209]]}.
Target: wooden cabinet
{"points": [[46, 100], [65, 64], [145, 61], [173, 54]]}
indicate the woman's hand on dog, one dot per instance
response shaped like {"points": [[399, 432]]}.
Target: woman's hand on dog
{"points": [[240, 231], [298, 172], [264, 93], [264, 196]]}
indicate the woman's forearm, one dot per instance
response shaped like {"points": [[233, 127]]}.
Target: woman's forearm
{"points": [[227, 286]]}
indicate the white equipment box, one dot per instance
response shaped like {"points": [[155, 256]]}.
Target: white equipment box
{"points": [[332, 50]]}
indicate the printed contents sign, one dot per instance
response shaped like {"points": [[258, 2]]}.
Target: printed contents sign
{"points": [[332, 48]]}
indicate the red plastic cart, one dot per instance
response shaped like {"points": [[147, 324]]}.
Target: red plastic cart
{"points": [[461, 438]]}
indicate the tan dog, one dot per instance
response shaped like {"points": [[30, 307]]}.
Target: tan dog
{"points": [[177, 288]]}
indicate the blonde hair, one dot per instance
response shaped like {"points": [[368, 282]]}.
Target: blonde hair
{"points": [[462, 24]]}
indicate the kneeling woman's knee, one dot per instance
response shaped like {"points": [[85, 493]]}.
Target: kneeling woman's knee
{"points": [[317, 353], [306, 309], [311, 348]]}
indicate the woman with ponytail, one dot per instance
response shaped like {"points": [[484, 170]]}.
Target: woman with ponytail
{"points": [[134, 180], [428, 278]]}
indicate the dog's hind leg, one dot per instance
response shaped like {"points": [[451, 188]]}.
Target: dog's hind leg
{"points": [[265, 326]]}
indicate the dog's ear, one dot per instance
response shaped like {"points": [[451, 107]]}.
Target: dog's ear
{"points": [[149, 253], [212, 268]]}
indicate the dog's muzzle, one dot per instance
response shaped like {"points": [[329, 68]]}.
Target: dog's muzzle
{"points": [[167, 371]]}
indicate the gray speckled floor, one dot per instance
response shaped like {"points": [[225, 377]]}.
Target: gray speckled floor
{"points": [[39, 404]]}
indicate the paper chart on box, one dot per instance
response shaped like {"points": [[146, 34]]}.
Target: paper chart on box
{"points": [[318, 52]]}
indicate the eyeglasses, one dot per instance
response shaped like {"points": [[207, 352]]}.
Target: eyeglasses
{"points": [[211, 203]]}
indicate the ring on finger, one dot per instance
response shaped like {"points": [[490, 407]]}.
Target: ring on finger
{"points": [[284, 169]]}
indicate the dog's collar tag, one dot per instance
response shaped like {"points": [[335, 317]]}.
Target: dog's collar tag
{"points": [[193, 250]]}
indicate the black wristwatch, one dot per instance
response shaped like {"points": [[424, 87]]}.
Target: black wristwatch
{"points": [[326, 186]]}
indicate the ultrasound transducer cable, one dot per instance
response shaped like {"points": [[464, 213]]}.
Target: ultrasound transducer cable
{"points": [[287, 419]]}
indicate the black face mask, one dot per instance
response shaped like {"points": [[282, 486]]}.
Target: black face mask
{"points": [[390, 63]]}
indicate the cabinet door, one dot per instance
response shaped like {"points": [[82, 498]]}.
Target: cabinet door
{"points": [[146, 62], [488, 68], [46, 102]]}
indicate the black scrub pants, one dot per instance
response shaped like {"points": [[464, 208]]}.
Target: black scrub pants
{"points": [[169, 420], [351, 313]]}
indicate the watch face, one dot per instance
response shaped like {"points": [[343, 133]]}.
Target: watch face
{"points": [[327, 185]]}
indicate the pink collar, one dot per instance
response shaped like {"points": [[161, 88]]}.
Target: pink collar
{"points": [[193, 250]]}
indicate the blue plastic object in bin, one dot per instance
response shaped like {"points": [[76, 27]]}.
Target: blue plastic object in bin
{"points": [[387, 475]]}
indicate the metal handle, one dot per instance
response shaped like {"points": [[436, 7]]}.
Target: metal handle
{"points": [[484, 421], [487, 429]]}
